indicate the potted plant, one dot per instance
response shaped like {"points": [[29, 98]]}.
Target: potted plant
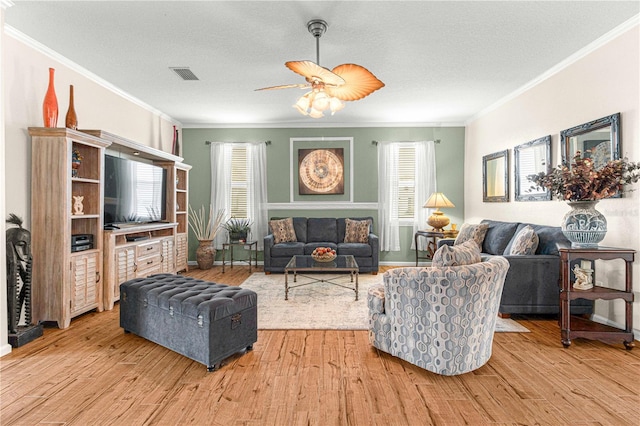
{"points": [[238, 228], [205, 227]]}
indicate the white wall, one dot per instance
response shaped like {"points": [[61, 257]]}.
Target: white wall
{"points": [[24, 76], [603, 82], [5, 348]]}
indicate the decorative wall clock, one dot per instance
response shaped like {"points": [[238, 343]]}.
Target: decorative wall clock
{"points": [[321, 171]]}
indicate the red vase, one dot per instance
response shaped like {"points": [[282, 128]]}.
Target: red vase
{"points": [[50, 104], [71, 121]]}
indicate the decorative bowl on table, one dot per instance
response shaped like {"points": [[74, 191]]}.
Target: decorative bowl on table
{"points": [[323, 254]]}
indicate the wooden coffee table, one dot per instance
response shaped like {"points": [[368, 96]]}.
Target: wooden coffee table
{"points": [[342, 264]]}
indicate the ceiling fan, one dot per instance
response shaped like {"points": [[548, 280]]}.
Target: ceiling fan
{"points": [[346, 82]]}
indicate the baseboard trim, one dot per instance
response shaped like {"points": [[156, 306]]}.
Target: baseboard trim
{"points": [[5, 349]]}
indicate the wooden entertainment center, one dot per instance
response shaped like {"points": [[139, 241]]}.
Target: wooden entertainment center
{"points": [[70, 278]]}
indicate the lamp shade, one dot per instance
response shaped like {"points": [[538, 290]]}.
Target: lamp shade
{"points": [[437, 200]]}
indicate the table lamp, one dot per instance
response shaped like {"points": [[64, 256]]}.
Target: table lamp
{"points": [[438, 220]]}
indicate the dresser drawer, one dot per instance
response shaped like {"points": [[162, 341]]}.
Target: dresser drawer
{"points": [[149, 265], [148, 249]]}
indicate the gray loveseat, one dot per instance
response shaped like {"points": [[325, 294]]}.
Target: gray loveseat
{"points": [[321, 232], [532, 283]]}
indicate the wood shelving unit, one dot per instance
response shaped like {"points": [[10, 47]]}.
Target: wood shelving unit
{"points": [[572, 326], [65, 283]]}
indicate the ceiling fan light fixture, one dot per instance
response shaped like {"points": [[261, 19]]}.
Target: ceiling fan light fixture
{"points": [[329, 88], [321, 101], [303, 103], [335, 105], [314, 113]]}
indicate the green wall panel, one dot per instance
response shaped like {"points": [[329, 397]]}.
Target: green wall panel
{"points": [[449, 164]]}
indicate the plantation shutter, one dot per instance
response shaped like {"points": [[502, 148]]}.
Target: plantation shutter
{"points": [[239, 172], [406, 182]]}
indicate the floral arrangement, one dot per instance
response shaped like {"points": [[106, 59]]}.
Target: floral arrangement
{"points": [[205, 226], [582, 182]]}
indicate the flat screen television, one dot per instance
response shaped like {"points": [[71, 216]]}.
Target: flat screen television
{"points": [[134, 192]]}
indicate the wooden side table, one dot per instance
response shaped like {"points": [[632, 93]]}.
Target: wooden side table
{"points": [[572, 326], [253, 248], [432, 245]]}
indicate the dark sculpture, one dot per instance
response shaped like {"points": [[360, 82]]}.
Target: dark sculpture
{"points": [[19, 264]]}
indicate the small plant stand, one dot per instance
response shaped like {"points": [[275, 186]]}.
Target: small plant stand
{"points": [[252, 246]]}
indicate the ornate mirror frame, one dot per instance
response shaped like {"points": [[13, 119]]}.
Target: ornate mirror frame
{"points": [[532, 158], [601, 138], [495, 177]]}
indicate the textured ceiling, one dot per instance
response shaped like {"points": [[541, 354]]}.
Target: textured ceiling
{"points": [[442, 62]]}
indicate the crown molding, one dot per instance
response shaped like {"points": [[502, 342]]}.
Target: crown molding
{"points": [[591, 47], [41, 48], [314, 125]]}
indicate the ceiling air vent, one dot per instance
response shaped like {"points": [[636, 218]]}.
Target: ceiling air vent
{"points": [[184, 73]]}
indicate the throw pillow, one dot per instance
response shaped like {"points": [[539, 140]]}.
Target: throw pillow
{"points": [[472, 232], [466, 253], [525, 242], [357, 231], [283, 230]]}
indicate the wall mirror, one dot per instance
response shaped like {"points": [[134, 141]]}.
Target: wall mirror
{"points": [[531, 158], [597, 139], [495, 177]]}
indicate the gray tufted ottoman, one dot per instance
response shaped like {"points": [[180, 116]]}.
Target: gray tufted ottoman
{"points": [[204, 321]]}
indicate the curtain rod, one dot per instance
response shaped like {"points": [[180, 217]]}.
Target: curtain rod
{"points": [[209, 142], [376, 142]]}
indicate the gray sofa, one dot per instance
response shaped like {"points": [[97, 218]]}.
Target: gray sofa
{"points": [[532, 283], [321, 232]]}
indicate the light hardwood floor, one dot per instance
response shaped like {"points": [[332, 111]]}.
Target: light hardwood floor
{"points": [[94, 374]]}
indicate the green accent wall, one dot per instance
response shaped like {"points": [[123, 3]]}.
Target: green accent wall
{"points": [[449, 164]]}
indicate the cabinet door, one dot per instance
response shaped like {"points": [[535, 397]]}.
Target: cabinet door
{"points": [[168, 256], [181, 252], [85, 279], [125, 268]]}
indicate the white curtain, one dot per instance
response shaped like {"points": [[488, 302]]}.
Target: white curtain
{"points": [[388, 222], [425, 184], [257, 192], [256, 187]]}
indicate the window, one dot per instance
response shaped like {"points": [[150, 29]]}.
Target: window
{"points": [[406, 178], [239, 185], [239, 188], [406, 182]]}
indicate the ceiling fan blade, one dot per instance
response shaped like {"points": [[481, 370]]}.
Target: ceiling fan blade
{"points": [[286, 86], [312, 71], [359, 82]]}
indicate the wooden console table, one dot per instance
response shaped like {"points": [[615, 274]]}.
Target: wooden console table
{"points": [[572, 326]]}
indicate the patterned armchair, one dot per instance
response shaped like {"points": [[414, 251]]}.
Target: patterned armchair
{"points": [[441, 319]]}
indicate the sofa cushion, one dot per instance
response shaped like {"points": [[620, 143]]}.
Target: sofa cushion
{"points": [[355, 249], [524, 243], [288, 249], [357, 231], [472, 232], [466, 253], [548, 236], [342, 227], [283, 230], [322, 229], [498, 236]]}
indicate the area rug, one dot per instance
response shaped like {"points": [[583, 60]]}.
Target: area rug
{"points": [[322, 306]]}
